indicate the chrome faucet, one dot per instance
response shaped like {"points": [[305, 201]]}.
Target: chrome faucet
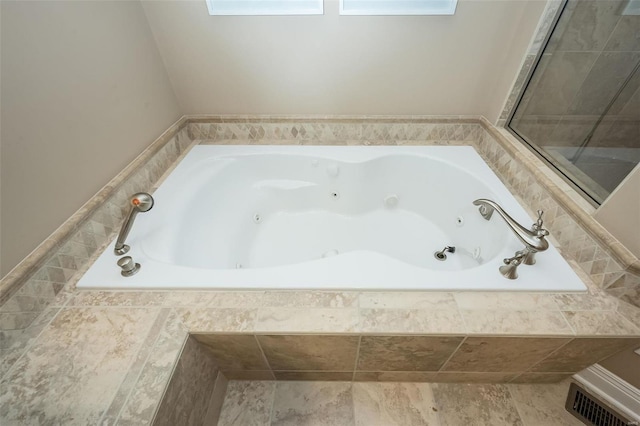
{"points": [[533, 239], [140, 202]]}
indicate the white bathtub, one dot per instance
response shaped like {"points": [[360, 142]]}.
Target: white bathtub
{"points": [[292, 217]]}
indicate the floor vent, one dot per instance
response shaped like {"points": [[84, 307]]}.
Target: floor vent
{"points": [[592, 411]]}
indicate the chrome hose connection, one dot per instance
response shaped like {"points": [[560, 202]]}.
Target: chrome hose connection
{"points": [[140, 203]]}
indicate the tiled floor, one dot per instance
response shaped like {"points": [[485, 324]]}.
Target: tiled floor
{"points": [[386, 404]]}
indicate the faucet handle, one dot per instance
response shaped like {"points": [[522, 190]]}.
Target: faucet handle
{"points": [[537, 227]]}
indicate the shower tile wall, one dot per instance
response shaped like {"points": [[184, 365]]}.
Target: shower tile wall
{"points": [[592, 41], [590, 55]]}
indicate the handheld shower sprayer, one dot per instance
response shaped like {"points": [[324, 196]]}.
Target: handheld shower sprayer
{"points": [[140, 203]]}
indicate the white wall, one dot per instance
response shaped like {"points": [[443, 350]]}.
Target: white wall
{"points": [[84, 91], [620, 213], [331, 64]]}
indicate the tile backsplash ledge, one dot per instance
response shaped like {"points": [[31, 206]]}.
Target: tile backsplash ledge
{"points": [[61, 259]]}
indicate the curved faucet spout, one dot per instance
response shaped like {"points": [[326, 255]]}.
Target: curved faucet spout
{"points": [[534, 238]]}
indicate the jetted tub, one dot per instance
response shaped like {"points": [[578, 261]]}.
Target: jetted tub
{"points": [[318, 217]]}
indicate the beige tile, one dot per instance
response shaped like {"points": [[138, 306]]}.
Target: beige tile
{"points": [[310, 352], [516, 322], [68, 359], [395, 376], [249, 375], [118, 298], [501, 354], [394, 404], [189, 391], [406, 300], [403, 321], [234, 351], [313, 403], [405, 353], [203, 320], [310, 299], [247, 403], [542, 404], [305, 320], [473, 404], [216, 400], [216, 299], [541, 377], [470, 377], [152, 381], [583, 302], [505, 301], [126, 387], [582, 352], [600, 323], [325, 376]]}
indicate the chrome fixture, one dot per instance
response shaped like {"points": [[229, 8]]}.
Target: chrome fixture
{"points": [[140, 202], [509, 270], [440, 255], [533, 239], [129, 267]]}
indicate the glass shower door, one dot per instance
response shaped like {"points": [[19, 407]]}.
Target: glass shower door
{"points": [[581, 108]]}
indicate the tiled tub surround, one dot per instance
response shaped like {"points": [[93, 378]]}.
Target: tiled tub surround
{"points": [[115, 351]]}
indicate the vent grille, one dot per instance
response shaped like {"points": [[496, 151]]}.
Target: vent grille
{"points": [[592, 411]]}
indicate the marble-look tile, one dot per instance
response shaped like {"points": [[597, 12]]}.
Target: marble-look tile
{"points": [[516, 322], [587, 27], [147, 392], [207, 320], [560, 82], [308, 320], [596, 323], [313, 403], [394, 404], [540, 377], [14, 343], [605, 78], [472, 404], [406, 300], [538, 404], [505, 301], [582, 352], [216, 299], [630, 312], [69, 363], [325, 376], [247, 403], [111, 414], [585, 302], [310, 352], [216, 400], [310, 299], [118, 298], [249, 375], [395, 376], [234, 351], [471, 377], [405, 353], [501, 354], [186, 399], [411, 321]]}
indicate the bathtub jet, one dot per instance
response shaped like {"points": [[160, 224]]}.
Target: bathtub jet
{"points": [[280, 217]]}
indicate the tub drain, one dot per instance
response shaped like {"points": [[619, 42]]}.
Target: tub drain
{"points": [[441, 255]]}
